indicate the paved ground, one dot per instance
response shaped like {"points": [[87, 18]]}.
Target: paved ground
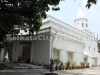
{"points": [[90, 71], [39, 71]]}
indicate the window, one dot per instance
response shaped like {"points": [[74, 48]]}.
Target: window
{"points": [[84, 46], [55, 54], [86, 24], [89, 47], [70, 56], [85, 59], [77, 23], [82, 24], [94, 48]]}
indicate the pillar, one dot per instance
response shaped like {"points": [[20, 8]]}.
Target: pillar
{"points": [[31, 58], [2, 56], [51, 49], [15, 51]]}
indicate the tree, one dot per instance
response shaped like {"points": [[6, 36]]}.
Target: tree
{"points": [[90, 2], [25, 14]]}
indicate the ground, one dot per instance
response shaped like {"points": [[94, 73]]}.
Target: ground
{"points": [[40, 71]]}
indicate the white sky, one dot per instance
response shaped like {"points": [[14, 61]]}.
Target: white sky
{"points": [[69, 9]]}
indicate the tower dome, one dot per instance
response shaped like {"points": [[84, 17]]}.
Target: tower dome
{"points": [[80, 14], [80, 20]]}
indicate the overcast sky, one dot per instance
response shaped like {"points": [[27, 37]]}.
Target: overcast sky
{"points": [[69, 9]]}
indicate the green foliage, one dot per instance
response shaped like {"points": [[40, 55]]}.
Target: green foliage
{"points": [[25, 14], [70, 67], [83, 63], [61, 65], [57, 60], [73, 64], [86, 63], [78, 66], [90, 2], [66, 63]]}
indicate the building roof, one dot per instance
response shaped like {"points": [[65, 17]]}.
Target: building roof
{"points": [[80, 14]]}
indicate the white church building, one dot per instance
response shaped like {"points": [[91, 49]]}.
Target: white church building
{"points": [[68, 43]]}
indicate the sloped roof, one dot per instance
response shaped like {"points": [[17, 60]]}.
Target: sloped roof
{"points": [[80, 14]]}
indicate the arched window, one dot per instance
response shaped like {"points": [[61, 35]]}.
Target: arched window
{"points": [[84, 46], [86, 24], [94, 48], [82, 24], [89, 47]]}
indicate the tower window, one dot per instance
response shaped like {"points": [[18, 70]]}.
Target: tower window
{"points": [[86, 24], [84, 46], [82, 24], [89, 47], [94, 48]]}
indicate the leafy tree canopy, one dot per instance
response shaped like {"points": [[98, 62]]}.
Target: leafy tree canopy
{"points": [[90, 2], [25, 14]]}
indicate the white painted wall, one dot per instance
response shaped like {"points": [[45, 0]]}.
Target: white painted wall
{"points": [[45, 25], [71, 46], [98, 60], [63, 56], [90, 61], [78, 57], [78, 24], [41, 51]]}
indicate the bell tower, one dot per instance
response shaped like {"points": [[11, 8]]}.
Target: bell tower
{"points": [[80, 20]]}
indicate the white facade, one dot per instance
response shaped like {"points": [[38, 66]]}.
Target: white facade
{"points": [[81, 21], [81, 49], [77, 48]]}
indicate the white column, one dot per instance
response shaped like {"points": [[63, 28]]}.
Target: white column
{"points": [[31, 58], [2, 54], [17, 49], [51, 49]]}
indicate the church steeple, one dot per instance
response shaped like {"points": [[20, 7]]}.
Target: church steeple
{"points": [[81, 21]]}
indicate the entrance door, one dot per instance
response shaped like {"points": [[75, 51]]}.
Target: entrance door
{"points": [[55, 54], [85, 58], [26, 52], [70, 56]]}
